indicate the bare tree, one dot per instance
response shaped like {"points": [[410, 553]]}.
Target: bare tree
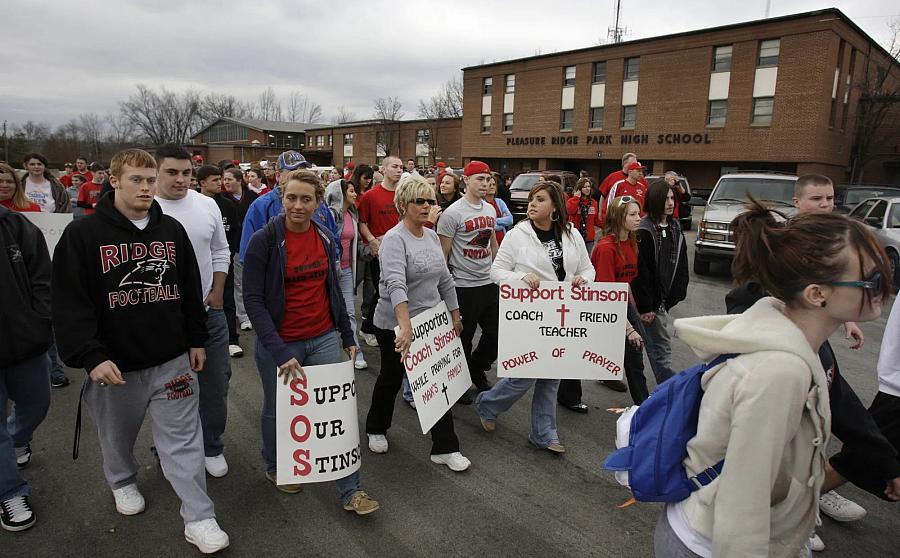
{"points": [[120, 130], [36, 132], [388, 108], [387, 132], [163, 116], [879, 98], [269, 106], [92, 132], [215, 106], [300, 108], [344, 115]]}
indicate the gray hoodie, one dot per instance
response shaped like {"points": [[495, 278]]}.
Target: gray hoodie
{"points": [[334, 199]]}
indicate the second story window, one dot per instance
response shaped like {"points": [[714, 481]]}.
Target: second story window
{"points": [[569, 76], [348, 139], [632, 68], [722, 59], [487, 86], [768, 53], [511, 83], [599, 75]]}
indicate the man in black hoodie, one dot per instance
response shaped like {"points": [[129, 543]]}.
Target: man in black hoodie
{"points": [[128, 310], [24, 378]]}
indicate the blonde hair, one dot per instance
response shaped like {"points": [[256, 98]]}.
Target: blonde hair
{"points": [[410, 188], [303, 175], [615, 218], [19, 199], [137, 158]]}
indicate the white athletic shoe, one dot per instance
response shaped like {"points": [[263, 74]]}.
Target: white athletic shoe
{"points": [[235, 351], [206, 535], [377, 443], [455, 461], [815, 543], [129, 500], [369, 339], [411, 403], [839, 508], [360, 364], [246, 325], [216, 465]]}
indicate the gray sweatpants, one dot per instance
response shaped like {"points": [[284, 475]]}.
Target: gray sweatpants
{"points": [[170, 392]]}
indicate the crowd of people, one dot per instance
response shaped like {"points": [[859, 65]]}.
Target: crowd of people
{"points": [[168, 260]]}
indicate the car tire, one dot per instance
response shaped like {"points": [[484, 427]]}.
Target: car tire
{"points": [[894, 260], [701, 266]]}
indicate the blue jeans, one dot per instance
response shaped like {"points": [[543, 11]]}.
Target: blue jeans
{"points": [[55, 368], [323, 349], [407, 391], [659, 347], [348, 289], [490, 404], [27, 384], [213, 380]]}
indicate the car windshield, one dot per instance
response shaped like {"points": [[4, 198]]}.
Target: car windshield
{"points": [[894, 221], [525, 182], [764, 189], [857, 195]]}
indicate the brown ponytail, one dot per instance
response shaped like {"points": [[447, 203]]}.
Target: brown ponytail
{"points": [[786, 255]]}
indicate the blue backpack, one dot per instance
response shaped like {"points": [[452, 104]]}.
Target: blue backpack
{"points": [[657, 443]]}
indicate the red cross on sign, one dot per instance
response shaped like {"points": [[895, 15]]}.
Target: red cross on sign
{"points": [[562, 315]]}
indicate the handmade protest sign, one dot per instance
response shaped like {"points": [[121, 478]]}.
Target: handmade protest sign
{"points": [[435, 365], [317, 426], [51, 224], [561, 331]]}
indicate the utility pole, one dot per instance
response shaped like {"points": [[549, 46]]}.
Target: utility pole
{"points": [[616, 33], [5, 143]]}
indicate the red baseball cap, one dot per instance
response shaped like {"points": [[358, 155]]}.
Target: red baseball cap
{"points": [[441, 164], [476, 167], [635, 165], [236, 162], [351, 165]]}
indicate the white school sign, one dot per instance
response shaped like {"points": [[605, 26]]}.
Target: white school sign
{"points": [[435, 365], [317, 425], [561, 331]]}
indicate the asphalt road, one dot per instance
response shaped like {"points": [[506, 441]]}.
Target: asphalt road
{"points": [[514, 501]]}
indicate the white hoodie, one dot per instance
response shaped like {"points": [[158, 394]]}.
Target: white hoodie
{"points": [[766, 412], [522, 253]]}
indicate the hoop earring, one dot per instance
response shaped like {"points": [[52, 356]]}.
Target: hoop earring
{"points": [[555, 217]]}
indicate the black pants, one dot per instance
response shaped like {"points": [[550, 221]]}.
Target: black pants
{"points": [[569, 393], [634, 374], [378, 421], [370, 302], [229, 306], [479, 306]]}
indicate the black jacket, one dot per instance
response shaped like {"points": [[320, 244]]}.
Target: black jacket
{"points": [[650, 290], [25, 271], [124, 294], [230, 221], [866, 459]]}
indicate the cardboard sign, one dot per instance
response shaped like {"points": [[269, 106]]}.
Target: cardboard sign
{"points": [[51, 224], [435, 365], [561, 331], [317, 425]]}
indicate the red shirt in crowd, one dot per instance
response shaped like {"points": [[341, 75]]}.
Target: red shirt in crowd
{"points": [[307, 312], [498, 232], [573, 208], [66, 179], [615, 260], [8, 204], [88, 195], [620, 188], [377, 211]]}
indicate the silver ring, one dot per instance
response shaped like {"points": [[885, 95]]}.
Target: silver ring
{"points": [[102, 384]]}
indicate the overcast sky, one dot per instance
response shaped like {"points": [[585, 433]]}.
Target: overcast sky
{"points": [[60, 58]]}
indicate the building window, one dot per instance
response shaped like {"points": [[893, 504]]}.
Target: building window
{"points": [[330, 140], [629, 117], [487, 86], [565, 121], [569, 76], [717, 111], [225, 131], [762, 110], [632, 68], [508, 122], [486, 124], [833, 113], [597, 118], [348, 139], [599, 75], [768, 53], [511, 83], [423, 136], [320, 141], [722, 59]]}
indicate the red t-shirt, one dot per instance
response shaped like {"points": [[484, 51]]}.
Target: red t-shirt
{"points": [[498, 232], [8, 204], [307, 312], [66, 179], [377, 211], [614, 261], [89, 193], [621, 188], [574, 211]]}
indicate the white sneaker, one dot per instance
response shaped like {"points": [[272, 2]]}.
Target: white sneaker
{"points": [[369, 339], [246, 325], [236, 351], [129, 500], [360, 365], [216, 465], [839, 508], [455, 461], [377, 443], [206, 535], [815, 543], [411, 403]]}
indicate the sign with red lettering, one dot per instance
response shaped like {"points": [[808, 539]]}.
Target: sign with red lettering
{"points": [[561, 331], [435, 365], [51, 224], [317, 425]]}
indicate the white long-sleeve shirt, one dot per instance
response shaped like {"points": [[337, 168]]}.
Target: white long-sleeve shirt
{"points": [[201, 218]]}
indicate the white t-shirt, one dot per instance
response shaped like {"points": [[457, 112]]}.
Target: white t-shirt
{"points": [[40, 193], [202, 219], [889, 357], [697, 543], [141, 223], [470, 227]]}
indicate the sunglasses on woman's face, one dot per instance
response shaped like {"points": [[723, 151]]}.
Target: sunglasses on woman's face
{"points": [[872, 282], [423, 201]]}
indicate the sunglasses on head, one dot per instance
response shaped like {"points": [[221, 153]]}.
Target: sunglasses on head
{"points": [[423, 201], [625, 199], [872, 282]]}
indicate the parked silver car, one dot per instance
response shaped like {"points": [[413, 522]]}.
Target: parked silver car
{"points": [[883, 215]]}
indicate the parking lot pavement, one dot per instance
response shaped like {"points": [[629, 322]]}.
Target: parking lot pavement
{"points": [[514, 501]]}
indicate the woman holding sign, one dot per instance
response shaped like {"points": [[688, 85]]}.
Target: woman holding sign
{"points": [[543, 247], [292, 295], [414, 279]]}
